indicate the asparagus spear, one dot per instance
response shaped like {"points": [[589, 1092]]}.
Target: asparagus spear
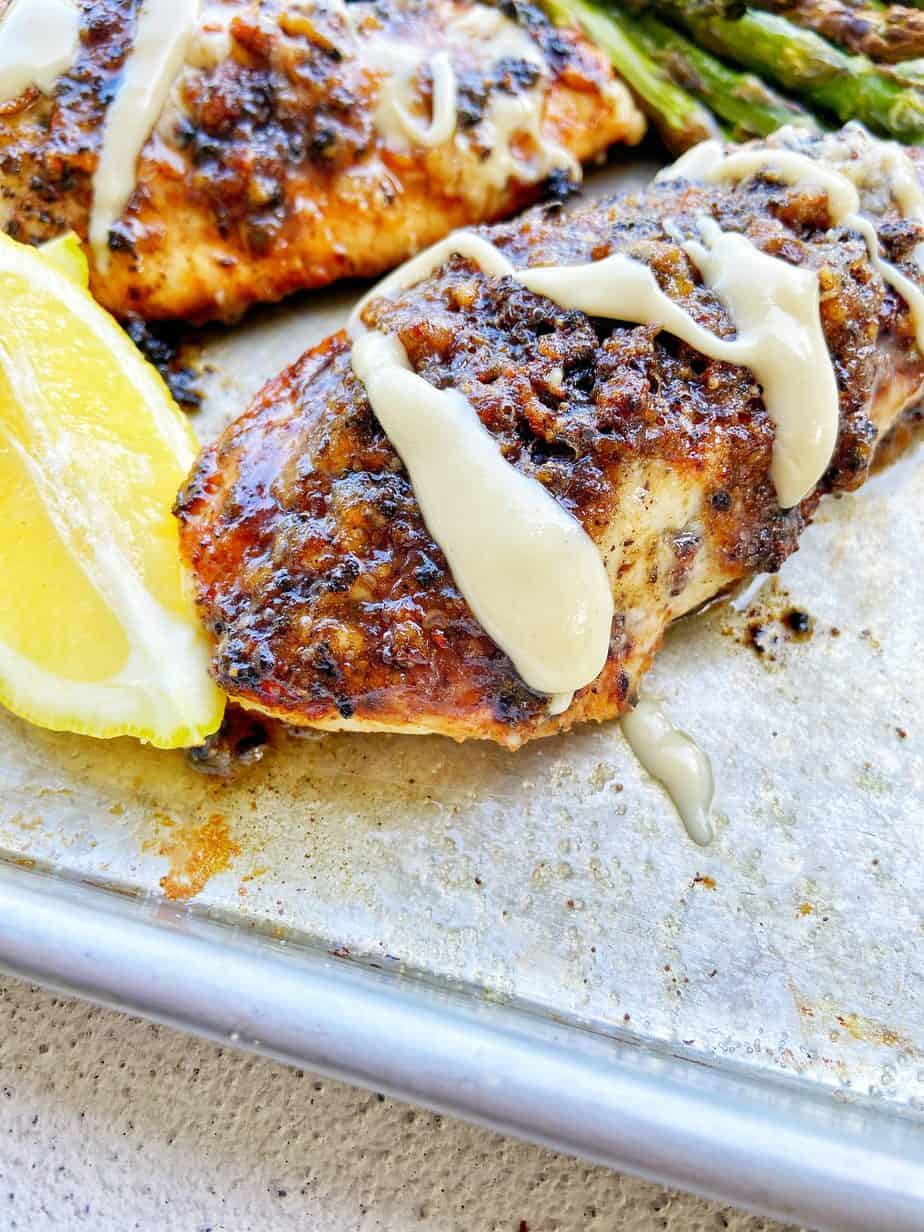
{"points": [[887, 35], [909, 72], [681, 120], [749, 106], [801, 61]]}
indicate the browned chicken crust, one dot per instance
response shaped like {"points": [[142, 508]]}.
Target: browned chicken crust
{"points": [[267, 173], [328, 600]]}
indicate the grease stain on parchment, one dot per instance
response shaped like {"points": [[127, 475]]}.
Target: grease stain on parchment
{"points": [[860, 1027], [196, 851], [824, 1014]]}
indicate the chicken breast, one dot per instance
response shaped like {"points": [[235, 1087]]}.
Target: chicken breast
{"points": [[328, 598], [289, 144]]}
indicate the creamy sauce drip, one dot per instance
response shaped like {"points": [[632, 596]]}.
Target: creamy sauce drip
{"points": [[710, 163], [903, 180], [443, 122], [698, 163], [211, 43], [792, 168], [559, 703], [774, 305], [872, 164], [910, 292], [460, 243], [38, 42], [394, 117], [509, 119], [163, 31], [776, 312], [677, 762], [534, 579], [866, 161], [741, 601]]}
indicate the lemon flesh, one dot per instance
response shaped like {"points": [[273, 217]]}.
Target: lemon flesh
{"points": [[66, 254], [98, 632]]}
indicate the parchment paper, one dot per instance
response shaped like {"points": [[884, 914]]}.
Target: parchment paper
{"points": [[560, 874]]}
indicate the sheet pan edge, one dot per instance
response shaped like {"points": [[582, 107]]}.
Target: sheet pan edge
{"points": [[779, 1152]]}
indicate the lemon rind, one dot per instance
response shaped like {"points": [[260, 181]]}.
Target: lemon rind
{"points": [[127, 704], [163, 694]]}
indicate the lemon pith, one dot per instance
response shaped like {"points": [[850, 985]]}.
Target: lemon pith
{"points": [[97, 629]]}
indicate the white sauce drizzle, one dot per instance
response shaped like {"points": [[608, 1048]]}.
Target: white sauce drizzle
{"points": [[792, 168], [534, 579], [462, 243], [775, 309], [697, 164], [871, 162], [393, 116], [400, 64], [162, 34], [618, 288], [443, 122], [559, 703], [677, 762], [210, 43], [910, 292], [38, 42], [777, 312], [508, 117], [491, 37], [709, 162], [774, 305], [903, 180]]}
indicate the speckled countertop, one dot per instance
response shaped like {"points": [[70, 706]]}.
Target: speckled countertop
{"points": [[110, 1123]]}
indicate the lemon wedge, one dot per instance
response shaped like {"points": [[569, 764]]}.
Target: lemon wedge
{"points": [[98, 632], [66, 255]]}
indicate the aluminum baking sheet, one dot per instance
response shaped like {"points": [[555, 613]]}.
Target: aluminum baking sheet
{"points": [[559, 877]]}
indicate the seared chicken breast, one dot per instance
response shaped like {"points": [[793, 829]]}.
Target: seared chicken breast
{"points": [[330, 602], [289, 144]]}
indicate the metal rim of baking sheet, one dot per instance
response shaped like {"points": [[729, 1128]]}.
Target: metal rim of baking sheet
{"points": [[777, 1149]]}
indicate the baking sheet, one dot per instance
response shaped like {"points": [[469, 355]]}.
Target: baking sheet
{"points": [[559, 876]]}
